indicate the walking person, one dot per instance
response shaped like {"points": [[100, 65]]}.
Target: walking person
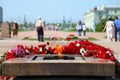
{"points": [[84, 29], [79, 28], [9, 29], [117, 28], [15, 29], [39, 28], [109, 27]]}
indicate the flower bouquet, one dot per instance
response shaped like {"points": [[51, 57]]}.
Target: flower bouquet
{"points": [[80, 47]]}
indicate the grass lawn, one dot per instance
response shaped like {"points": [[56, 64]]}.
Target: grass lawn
{"points": [[72, 39]]}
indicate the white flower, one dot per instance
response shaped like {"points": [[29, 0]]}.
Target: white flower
{"points": [[27, 51], [9, 50], [40, 50], [77, 44], [82, 51]]}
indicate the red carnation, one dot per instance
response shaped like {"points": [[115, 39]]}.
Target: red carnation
{"points": [[1, 77], [112, 59], [68, 38]]}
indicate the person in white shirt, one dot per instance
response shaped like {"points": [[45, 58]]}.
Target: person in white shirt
{"points": [[39, 27], [109, 27], [79, 28], [84, 29]]}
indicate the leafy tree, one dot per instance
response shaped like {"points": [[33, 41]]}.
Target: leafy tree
{"points": [[30, 25], [101, 25]]}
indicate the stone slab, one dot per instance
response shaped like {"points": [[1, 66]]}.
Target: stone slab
{"points": [[5, 30], [29, 67]]}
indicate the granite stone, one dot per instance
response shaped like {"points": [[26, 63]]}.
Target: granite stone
{"points": [[38, 67], [5, 30]]}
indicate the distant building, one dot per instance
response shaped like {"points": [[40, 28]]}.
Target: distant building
{"points": [[93, 17], [1, 15]]}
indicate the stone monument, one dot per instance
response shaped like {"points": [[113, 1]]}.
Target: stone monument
{"points": [[49, 65], [5, 30]]}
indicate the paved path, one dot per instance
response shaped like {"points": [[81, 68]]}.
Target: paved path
{"points": [[7, 44]]}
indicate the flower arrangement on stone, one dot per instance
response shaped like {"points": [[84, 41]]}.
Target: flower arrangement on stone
{"points": [[19, 51], [84, 48], [40, 49], [22, 51]]}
